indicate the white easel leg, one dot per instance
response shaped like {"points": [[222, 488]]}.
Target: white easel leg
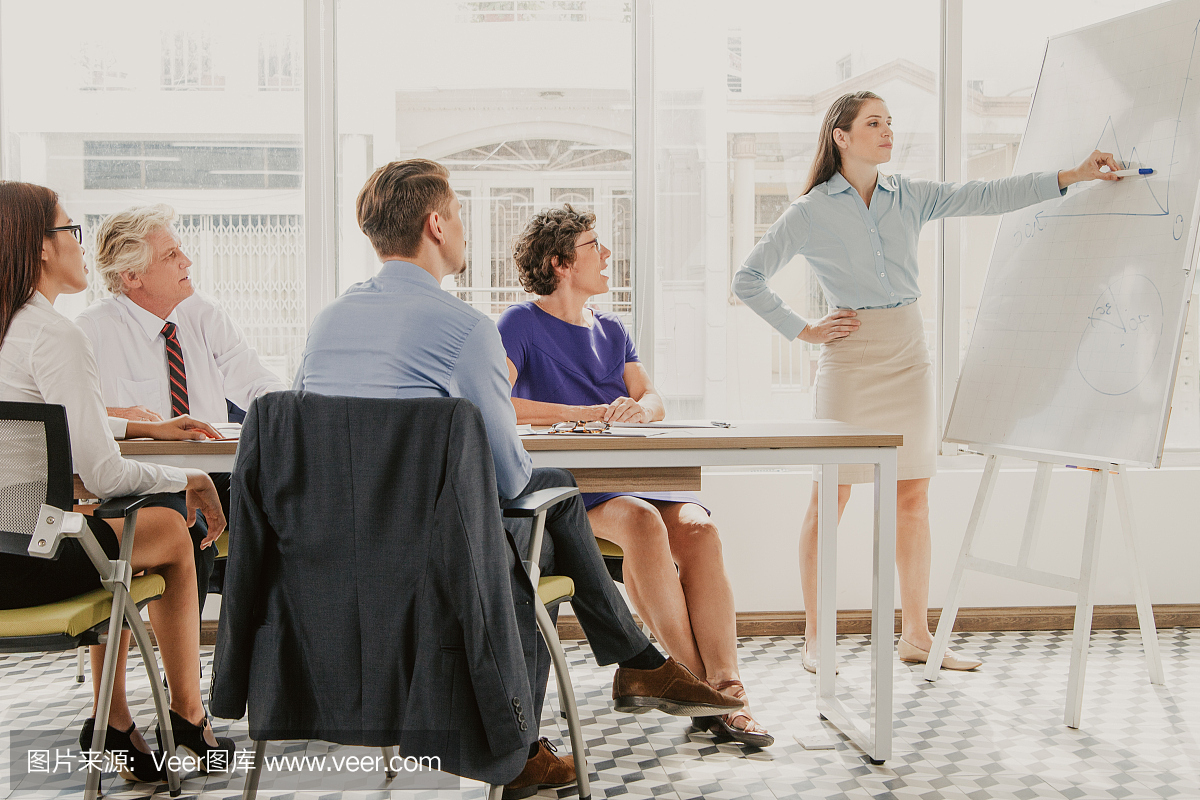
{"points": [[950, 608], [1082, 636], [1145, 609]]}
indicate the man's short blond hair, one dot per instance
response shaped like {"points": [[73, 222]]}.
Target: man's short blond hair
{"points": [[121, 242]]}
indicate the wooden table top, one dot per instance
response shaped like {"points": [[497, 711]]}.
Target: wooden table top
{"points": [[743, 435]]}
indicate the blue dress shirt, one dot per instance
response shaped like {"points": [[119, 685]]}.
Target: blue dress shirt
{"points": [[867, 257], [400, 334]]}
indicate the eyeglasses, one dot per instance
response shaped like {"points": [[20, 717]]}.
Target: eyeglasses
{"points": [[595, 242], [598, 426], [76, 231]]}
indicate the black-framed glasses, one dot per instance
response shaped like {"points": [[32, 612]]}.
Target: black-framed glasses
{"points": [[595, 242], [76, 231], [598, 426]]}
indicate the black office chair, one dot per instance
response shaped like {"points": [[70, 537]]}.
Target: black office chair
{"points": [[406, 480], [35, 448]]}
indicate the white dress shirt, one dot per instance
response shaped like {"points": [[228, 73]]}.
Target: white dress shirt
{"points": [[45, 358], [132, 354]]}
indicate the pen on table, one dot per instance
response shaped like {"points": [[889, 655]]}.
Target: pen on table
{"points": [[721, 424], [1131, 173]]}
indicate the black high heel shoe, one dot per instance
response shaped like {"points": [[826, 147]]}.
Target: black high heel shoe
{"points": [[189, 740], [138, 766]]}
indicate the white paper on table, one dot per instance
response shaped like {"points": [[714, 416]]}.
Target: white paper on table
{"points": [[525, 430], [682, 423], [228, 430]]}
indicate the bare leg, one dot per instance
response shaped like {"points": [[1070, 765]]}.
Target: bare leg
{"points": [[808, 558], [696, 549], [912, 560], [119, 715], [650, 576]]}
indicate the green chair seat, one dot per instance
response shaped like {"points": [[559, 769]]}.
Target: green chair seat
{"points": [[608, 549], [222, 544], [555, 588], [76, 615]]}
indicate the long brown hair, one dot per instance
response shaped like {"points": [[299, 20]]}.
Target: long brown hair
{"points": [[26, 211], [841, 114]]}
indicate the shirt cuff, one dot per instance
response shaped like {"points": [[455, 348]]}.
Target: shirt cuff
{"points": [[792, 327], [1047, 186], [118, 427]]}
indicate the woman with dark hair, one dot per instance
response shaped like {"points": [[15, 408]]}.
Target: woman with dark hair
{"points": [[858, 229], [45, 358], [568, 363]]}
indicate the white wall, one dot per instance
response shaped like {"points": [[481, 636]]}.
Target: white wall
{"points": [[759, 514]]}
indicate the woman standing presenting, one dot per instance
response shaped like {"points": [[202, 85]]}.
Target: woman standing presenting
{"points": [[859, 229]]}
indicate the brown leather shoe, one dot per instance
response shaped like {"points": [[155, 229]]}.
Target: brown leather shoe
{"points": [[672, 689], [543, 771]]}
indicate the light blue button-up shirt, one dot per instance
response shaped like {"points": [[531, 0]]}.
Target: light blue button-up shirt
{"points": [[867, 257], [401, 335]]}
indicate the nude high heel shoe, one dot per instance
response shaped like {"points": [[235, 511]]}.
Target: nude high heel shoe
{"points": [[915, 655]]}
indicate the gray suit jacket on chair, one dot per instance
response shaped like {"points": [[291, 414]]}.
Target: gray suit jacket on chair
{"points": [[368, 594]]}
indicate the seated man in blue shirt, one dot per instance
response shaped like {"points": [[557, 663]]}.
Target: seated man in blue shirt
{"points": [[400, 335]]}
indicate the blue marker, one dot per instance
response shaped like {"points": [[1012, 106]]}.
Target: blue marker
{"points": [[1131, 173]]}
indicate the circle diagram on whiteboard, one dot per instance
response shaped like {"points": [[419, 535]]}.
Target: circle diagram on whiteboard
{"points": [[1122, 336]]}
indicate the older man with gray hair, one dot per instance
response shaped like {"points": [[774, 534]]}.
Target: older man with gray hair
{"points": [[163, 350]]}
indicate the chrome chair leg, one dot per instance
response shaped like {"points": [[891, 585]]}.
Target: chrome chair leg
{"points": [[108, 677], [567, 693], [250, 790], [79, 659], [388, 753], [161, 704], [495, 791]]}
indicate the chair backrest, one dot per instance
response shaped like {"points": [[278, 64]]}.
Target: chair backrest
{"points": [[35, 468]]}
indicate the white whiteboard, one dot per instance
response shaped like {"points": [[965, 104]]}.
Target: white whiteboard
{"points": [[1077, 338]]}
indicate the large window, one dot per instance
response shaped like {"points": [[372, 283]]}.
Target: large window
{"points": [[529, 105], [111, 121], [537, 115], [731, 155]]}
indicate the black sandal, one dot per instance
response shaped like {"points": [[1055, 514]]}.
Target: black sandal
{"points": [[189, 739], [137, 765]]}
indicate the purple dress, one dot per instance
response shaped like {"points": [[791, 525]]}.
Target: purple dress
{"points": [[558, 362]]}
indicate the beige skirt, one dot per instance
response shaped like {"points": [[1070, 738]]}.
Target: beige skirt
{"points": [[881, 377]]}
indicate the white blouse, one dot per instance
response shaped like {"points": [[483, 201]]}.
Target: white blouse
{"points": [[46, 358]]}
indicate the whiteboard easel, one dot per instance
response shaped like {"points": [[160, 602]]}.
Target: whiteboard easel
{"points": [[1084, 585]]}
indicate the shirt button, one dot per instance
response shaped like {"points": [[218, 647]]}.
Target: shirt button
{"points": [[882, 275], [878, 253], [872, 230], [893, 294]]}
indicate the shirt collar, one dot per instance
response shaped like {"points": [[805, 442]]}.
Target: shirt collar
{"points": [[151, 324], [838, 183], [408, 271]]}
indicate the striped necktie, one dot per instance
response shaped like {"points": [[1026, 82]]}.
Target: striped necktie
{"points": [[175, 372]]}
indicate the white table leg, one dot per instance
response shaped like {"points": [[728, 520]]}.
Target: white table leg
{"points": [[883, 608], [827, 522]]}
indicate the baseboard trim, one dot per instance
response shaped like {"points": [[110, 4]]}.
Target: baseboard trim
{"points": [[1014, 618]]}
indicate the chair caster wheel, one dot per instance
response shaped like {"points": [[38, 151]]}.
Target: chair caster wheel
{"points": [[822, 717], [875, 761]]}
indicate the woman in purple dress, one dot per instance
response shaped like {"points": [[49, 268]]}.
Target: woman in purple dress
{"points": [[568, 362]]}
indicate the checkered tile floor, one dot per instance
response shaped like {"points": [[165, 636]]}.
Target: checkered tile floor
{"points": [[996, 733]]}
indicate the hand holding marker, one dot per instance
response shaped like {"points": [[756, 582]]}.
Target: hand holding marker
{"points": [[1131, 173]]}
